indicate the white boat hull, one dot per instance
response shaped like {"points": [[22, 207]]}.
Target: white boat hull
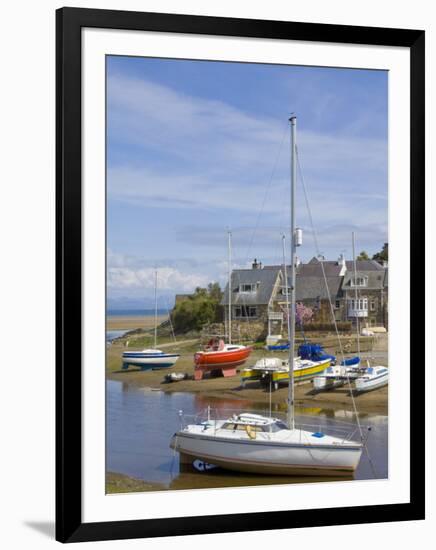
{"points": [[327, 382], [363, 384], [273, 458], [149, 360]]}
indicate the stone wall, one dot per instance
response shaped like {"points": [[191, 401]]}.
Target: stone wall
{"points": [[242, 331]]}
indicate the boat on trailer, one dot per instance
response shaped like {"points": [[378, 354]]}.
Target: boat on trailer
{"points": [[219, 356]]}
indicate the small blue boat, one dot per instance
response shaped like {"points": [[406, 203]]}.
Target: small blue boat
{"points": [[277, 347]]}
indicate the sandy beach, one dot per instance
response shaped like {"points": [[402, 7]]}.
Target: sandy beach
{"points": [[229, 389], [227, 393], [132, 322]]}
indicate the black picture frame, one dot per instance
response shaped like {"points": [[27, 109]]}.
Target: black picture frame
{"points": [[69, 22]]}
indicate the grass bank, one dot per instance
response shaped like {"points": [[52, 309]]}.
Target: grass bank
{"points": [[120, 483]]}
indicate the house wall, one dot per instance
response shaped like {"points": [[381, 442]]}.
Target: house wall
{"points": [[379, 297]]}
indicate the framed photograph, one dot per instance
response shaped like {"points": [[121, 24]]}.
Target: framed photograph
{"points": [[240, 231]]}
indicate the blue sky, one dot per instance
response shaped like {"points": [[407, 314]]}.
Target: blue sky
{"points": [[197, 147]]}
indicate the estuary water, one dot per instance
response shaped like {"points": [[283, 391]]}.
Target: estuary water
{"points": [[140, 423]]}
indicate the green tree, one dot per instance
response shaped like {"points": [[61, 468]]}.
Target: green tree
{"points": [[199, 309], [363, 256], [214, 291], [383, 255]]}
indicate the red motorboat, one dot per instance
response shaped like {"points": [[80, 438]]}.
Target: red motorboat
{"points": [[218, 356]]}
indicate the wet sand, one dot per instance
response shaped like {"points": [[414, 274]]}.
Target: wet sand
{"points": [[228, 389]]}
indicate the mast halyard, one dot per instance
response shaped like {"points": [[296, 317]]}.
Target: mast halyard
{"points": [[291, 301], [155, 308], [229, 324]]}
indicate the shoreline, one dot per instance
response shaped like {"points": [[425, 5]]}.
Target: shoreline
{"points": [[222, 388], [227, 393], [229, 389]]}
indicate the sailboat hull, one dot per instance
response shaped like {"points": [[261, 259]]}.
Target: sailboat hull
{"points": [[269, 458], [225, 360], [364, 384], [303, 371], [148, 361]]}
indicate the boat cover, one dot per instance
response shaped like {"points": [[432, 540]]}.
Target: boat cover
{"points": [[314, 352], [350, 362]]}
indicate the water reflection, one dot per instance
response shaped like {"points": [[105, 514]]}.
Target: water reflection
{"points": [[140, 423]]}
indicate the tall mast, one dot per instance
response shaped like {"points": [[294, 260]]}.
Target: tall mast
{"points": [[356, 307], [155, 308], [286, 286], [229, 324], [291, 315]]}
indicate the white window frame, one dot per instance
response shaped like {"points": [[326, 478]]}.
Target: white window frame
{"points": [[355, 281], [251, 285], [361, 303]]}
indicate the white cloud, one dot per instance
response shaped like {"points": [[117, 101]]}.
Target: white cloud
{"points": [[132, 272], [169, 278], [202, 153], [190, 154]]}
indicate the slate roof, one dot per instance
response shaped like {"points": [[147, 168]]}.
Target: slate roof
{"points": [[313, 288], [264, 279], [310, 284], [375, 279]]}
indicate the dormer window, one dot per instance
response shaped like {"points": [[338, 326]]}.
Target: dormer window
{"points": [[359, 281], [247, 287]]}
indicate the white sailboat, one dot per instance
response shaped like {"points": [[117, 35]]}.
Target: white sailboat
{"points": [[372, 379], [148, 359], [261, 444]]}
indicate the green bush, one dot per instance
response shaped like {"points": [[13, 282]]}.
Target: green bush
{"points": [[197, 310]]}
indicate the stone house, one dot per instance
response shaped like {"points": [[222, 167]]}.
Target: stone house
{"points": [[365, 294], [253, 294], [259, 293]]}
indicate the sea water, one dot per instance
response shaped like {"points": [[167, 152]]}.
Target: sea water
{"points": [[141, 422]]}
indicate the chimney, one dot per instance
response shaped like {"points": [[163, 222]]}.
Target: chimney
{"points": [[256, 265], [343, 264]]}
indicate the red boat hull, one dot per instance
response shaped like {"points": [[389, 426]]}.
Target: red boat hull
{"points": [[224, 360]]}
